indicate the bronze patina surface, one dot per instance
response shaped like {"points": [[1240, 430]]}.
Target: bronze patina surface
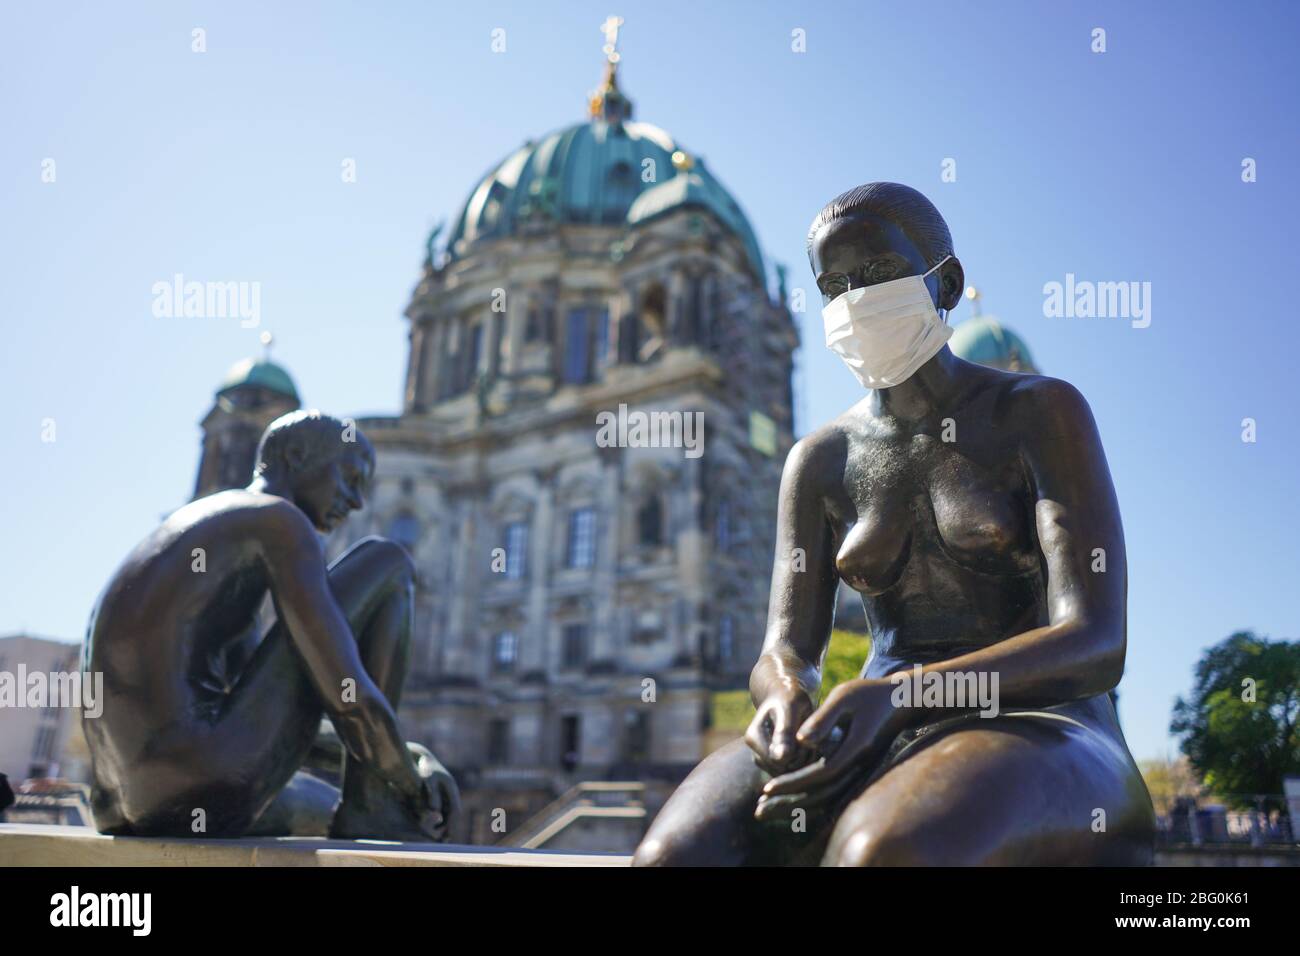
{"points": [[969, 507]]}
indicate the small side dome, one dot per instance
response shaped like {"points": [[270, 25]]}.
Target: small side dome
{"points": [[259, 374], [693, 185], [986, 341]]}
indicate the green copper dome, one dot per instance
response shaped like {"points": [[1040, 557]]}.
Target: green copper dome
{"points": [[594, 173], [260, 374], [696, 187], [986, 341]]}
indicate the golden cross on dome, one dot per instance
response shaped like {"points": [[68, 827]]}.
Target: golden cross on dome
{"points": [[610, 29], [597, 105]]}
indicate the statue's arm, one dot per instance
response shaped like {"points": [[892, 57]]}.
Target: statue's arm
{"points": [[801, 606], [357, 707], [1080, 652]]}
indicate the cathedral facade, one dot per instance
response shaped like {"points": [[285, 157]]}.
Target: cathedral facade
{"points": [[582, 592]]}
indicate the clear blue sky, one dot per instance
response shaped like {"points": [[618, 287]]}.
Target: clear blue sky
{"points": [[226, 166]]}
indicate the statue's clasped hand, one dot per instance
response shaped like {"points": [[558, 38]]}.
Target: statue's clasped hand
{"points": [[771, 734], [847, 733], [427, 807]]}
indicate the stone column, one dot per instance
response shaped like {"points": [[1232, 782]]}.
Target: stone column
{"points": [[541, 549], [448, 345], [707, 305], [603, 626], [417, 346], [428, 637], [676, 307], [517, 313], [689, 528], [435, 341], [494, 338], [460, 659]]}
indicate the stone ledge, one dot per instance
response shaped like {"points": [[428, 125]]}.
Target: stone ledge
{"points": [[39, 845]]}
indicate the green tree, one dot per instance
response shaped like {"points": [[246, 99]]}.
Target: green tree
{"points": [[732, 710], [1239, 728], [845, 656], [1169, 781]]}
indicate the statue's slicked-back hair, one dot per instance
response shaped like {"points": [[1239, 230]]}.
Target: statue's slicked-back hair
{"points": [[901, 205], [322, 436]]}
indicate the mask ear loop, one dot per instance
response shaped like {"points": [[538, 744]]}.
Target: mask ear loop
{"points": [[943, 313], [927, 273]]}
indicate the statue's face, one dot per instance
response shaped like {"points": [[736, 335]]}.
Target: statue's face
{"points": [[862, 250], [332, 489]]}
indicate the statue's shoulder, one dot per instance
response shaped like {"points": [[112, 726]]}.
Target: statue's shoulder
{"points": [[1049, 408], [818, 457], [1045, 394], [248, 511]]}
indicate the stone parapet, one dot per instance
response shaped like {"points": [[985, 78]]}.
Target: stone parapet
{"points": [[38, 845]]}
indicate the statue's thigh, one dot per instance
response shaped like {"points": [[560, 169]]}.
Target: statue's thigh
{"points": [[274, 701], [1004, 792], [709, 820]]}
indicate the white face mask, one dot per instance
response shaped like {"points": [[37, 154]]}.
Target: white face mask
{"points": [[885, 332]]}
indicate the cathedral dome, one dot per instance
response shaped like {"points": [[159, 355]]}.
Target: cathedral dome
{"points": [[607, 171], [986, 341], [258, 374]]}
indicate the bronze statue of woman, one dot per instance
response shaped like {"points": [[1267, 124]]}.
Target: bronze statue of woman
{"points": [[207, 713], [973, 510]]}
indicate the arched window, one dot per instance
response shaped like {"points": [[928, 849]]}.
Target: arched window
{"points": [[580, 550], [505, 652], [726, 639], [577, 347], [722, 530], [653, 330], [650, 522], [516, 548]]}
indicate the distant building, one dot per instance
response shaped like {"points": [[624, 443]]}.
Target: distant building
{"points": [[33, 739], [579, 600]]}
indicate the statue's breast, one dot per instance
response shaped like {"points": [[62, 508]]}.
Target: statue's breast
{"points": [[924, 502]]}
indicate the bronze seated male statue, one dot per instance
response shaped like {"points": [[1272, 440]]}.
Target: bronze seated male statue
{"points": [[208, 713], [973, 510]]}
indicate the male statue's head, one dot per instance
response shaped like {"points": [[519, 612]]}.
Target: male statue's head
{"points": [[323, 465], [880, 232]]}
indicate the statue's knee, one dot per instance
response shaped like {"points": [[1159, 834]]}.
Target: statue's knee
{"points": [[652, 852], [889, 847], [391, 556]]}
